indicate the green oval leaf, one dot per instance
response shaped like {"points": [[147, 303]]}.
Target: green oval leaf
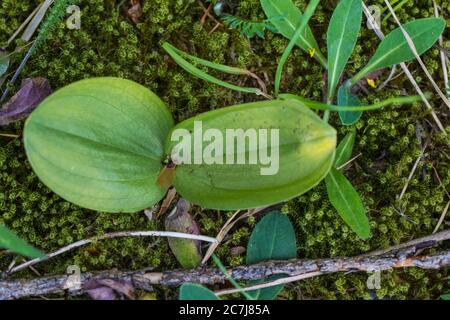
{"points": [[346, 98], [272, 239], [99, 144], [394, 49], [286, 17], [11, 242], [348, 203], [190, 291], [305, 146], [341, 39], [188, 252], [345, 149]]}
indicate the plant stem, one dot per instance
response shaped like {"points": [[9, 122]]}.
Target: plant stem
{"points": [[308, 13]]}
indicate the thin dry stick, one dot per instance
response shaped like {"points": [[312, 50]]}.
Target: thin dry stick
{"points": [[441, 220], [227, 227], [411, 174], [222, 233], [36, 21], [112, 236], [429, 240], [9, 135], [380, 34], [389, 79], [444, 59], [24, 24], [271, 284], [418, 58], [349, 161]]}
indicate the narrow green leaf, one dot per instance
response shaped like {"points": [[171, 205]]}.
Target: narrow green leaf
{"points": [[345, 149], [178, 55], [341, 39], [346, 98], [272, 239], [323, 106], [191, 291], [99, 143], [286, 17], [394, 49], [305, 19], [348, 203], [11, 242]]}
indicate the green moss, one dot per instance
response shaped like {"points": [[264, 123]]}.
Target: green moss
{"points": [[109, 45]]}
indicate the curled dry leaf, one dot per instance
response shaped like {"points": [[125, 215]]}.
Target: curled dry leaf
{"points": [[237, 251], [31, 94], [106, 289], [187, 251], [135, 11]]}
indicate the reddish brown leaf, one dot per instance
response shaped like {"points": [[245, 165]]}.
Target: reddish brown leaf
{"points": [[135, 11], [30, 95]]}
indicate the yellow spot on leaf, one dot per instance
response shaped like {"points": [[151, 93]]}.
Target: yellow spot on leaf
{"points": [[312, 52]]}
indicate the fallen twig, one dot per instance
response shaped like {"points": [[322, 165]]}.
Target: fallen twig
{"points": [[112, 236], [401, 256]]}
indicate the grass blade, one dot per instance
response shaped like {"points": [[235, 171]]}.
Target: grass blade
{"points": [[304, 22], [177, 55], [11, 242], [341, 40]]}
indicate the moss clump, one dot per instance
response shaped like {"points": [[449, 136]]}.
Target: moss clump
{"points": [[109, 45]]}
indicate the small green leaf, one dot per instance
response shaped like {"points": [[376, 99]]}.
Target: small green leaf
{"points": [[301, 27], [287, 17], [11, 242], [99, 143], [305, 147], [4, 62], [178, 55], [191, 291], [341, 39], [348, 203], [346, 98], [446, 297], [394, 49], [345, 149], [272, 239]]}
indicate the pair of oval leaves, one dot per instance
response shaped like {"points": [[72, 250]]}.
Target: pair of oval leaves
{"points": [[101, 143]]}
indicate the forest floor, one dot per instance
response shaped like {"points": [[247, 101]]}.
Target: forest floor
{"points": [[389, 142]]}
